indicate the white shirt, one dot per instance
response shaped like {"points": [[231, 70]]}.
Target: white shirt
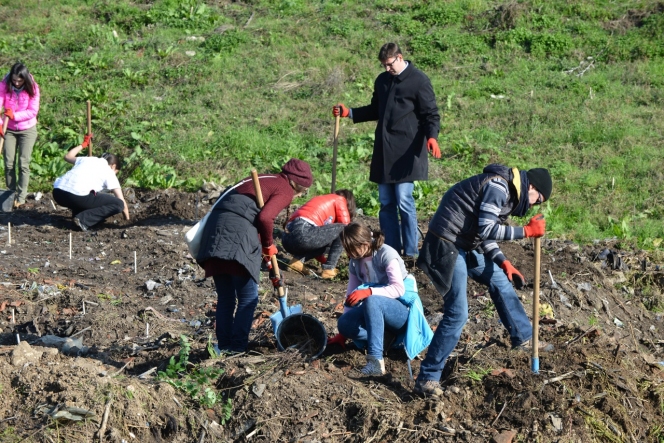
{"points": [[88, 174]]}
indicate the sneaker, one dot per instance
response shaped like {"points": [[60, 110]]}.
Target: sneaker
{"points": [[527, 346], [329, 274], [80, 225], [298, 265], [374, 366], [427, 388]]}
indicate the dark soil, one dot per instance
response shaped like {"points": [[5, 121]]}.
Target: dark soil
{"points": [[607, 345]]}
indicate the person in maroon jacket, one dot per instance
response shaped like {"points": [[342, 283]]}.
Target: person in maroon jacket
{"points": [[235, 236], [314, 229]]}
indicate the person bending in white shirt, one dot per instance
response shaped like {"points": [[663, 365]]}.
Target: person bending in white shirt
{"points": [[79, 189]]}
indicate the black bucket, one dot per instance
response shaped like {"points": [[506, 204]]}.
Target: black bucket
{"points": [[302, 332]]}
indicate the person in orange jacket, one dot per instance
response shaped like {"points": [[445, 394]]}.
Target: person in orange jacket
{"points": [[313, 231]]}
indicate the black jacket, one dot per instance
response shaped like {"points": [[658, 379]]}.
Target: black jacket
{"points": [[405, 107], [230, 234]]}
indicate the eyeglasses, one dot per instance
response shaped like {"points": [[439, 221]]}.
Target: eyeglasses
{"points": [[540, 199], [389, 65]]}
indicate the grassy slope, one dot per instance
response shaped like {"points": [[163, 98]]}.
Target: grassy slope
{"points": [[258, 90]]}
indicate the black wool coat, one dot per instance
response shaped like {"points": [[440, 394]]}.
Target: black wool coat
{"points": [[407, 114]]}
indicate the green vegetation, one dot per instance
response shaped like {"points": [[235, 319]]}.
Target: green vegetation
{"points": [[478, 374], [188, 90], [195, 382]]}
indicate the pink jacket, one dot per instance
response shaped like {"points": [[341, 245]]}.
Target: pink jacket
{"points": [[25, 107]]}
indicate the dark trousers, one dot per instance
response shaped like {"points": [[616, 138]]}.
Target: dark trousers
{"points": [[89, 209], [307, 241], [233, 325]]}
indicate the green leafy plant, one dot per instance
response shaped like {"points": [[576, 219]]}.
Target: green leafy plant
{"points": [[592, 320], [194, 381], [477, 375], [33, 271]]}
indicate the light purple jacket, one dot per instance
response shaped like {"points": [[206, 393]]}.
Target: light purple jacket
{"points": [[25, 107]]}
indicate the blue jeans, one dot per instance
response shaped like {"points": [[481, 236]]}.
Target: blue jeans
{"points": [[398, 197], [455, 311], [369, 320], [233, 326]]}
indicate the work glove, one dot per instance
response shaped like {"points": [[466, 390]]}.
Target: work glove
{"points": [[277, 282], [322, 259], [87, 138], [9, 113], [535, 227], [340, 110], [337, 340], [356, 296], [513, 274], [269, 251], [432, 146], [2, 134]]}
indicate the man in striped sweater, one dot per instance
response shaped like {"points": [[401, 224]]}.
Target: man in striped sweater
{"points": [[462, 242]]}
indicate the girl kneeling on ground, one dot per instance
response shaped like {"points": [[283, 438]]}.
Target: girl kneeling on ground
{"points": [[235, 234], [313, 231], [80, 188], [371, 311]]}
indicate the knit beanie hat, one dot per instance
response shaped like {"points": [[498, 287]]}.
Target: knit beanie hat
{"points": [[541, 180], [299, 171]]}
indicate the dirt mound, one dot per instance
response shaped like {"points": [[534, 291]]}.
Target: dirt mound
{"points": [[603, 382]]}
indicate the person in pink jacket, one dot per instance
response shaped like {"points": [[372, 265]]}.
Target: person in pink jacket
{"points": [[19, 97]]}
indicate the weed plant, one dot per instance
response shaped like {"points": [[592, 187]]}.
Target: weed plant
{"points": [[193, 90]]}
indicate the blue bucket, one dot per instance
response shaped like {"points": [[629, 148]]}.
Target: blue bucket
{"points": [[303, 333]]}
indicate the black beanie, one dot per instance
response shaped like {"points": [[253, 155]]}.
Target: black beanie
{"points": [[541, 180]]}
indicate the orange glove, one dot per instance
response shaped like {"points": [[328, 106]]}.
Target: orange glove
{"points": [[340, 110], [337, 340], [269, 251], [86, 140], [513, 275], [2, 134], [356, 296], [9, 113], [535, 227], [432, 146]]}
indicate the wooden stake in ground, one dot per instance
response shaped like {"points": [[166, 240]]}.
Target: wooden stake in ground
{"points": [[134, 262], [4, 131], [259, 200], [9, 233], [536, 289], [70, 246], [90, 127], [334, 154]]}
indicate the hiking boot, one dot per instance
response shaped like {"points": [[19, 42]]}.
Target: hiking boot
{"points": [[427, 388], [329, 274], [298, 265], [374, 366], [80, 225], [527, 346], [17, 204]]}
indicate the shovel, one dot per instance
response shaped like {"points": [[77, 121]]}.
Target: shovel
{"points": [[536, 313], [284, 310], [6, 196]]}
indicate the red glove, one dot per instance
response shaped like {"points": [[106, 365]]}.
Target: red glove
{"points": [[321, 259], [357, 295], [277, 282], [513, 275], [432, 146], [340, 110], [269, 251], [86, 140], [535, 227], [2, 134], [9, 113], [337, 340]]}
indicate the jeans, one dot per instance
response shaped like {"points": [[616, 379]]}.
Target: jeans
{"points": [[307, 241], [89, 209], [455, 311], [398, 197], [369, 320], [23, 142], [233, 326]]}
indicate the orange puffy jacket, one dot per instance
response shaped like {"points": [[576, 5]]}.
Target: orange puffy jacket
{"points": [[323, 210]]}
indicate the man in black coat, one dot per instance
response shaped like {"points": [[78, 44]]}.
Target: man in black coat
{"points": [[404, 105]]}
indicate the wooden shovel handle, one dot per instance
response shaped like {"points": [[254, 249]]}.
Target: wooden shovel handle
{"points": [[536, 291], [90, 127], [4, 131], [261, 203], [334, 154]]}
